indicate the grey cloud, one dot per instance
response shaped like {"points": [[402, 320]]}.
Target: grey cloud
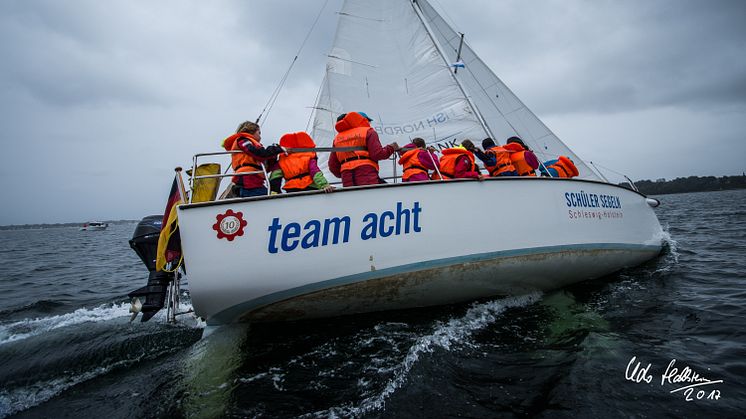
{"points": [[612, 57], [109, 96]]}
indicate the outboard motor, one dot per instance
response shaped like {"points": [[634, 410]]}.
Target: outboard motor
{"points": [[145, 243]]}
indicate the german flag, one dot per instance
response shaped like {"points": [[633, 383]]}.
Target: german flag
{"points": [[169, 242]]}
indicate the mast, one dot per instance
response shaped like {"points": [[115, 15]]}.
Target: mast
{"points": [[482, 122]]}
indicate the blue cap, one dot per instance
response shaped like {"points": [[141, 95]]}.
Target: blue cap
{"points": [[365, 115]]}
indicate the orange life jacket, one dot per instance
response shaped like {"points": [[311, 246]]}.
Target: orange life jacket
{"points": [[411, 164], [519, 161], [243, 162], [565, 167], [503, 163], [295, 166], [353, 129], [448, 161]]}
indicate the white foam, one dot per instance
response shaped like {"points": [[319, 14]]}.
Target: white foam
{"points": [[673, 245], [445, 336], [27, 328], [32, 327], [20, 399]]}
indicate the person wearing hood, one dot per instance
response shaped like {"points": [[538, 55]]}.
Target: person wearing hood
{"points": [[496, 159], [417, 161], [358, 167], [300, 169], [247, 139], [523, 159], [458, 162]]}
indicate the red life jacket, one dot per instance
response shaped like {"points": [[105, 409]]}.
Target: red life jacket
{"points": [[295, 166], [353, 130], [503, 163], [411, 164], [243, 162], [519, 161], [565, 167], [448, 161]]}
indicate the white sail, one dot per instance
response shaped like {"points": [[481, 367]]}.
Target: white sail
{"points": [[503, 112], [385, 62]]}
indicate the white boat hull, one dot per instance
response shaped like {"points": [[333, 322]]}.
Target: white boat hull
{"points": [[409, 245], [93, 228]]}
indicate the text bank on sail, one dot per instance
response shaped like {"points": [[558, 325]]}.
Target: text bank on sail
{"points": [[403, 245]]}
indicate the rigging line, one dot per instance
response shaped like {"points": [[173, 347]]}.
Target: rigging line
{"points": [[599, 172], [351, 61], [445, 12], [484, 122], [491, 99], [439, 48], [535, 141], [315, 101], [523, 106], [360, 17], [276, 93], [611, 170]]}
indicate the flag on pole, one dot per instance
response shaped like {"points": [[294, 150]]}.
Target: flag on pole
{"points": [[169, 242]]}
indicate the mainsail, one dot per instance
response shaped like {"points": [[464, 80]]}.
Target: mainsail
{"points": [[392, 59]]}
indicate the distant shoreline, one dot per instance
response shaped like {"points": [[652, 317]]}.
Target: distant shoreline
{"points": [[690, 184], [647, 187], [59, 225]]}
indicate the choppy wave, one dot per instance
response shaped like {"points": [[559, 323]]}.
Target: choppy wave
{"points": [[446, 336], [670, 245], [27, 328], [24, 329], [20, 399]]}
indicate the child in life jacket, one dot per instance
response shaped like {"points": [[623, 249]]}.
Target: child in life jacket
{"points": [[561, 167], [522, 158], [300, 169], [249, 165], [417, 161], [458, 162], [496, 159]]}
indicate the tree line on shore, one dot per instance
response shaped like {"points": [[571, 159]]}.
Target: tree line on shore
{"points": [[690, 184]]}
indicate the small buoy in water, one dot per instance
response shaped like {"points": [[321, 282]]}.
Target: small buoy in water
{"points": [[652, 202], [135, 308]]}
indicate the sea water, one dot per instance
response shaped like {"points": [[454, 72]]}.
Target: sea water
{"points": [[664, 339]]}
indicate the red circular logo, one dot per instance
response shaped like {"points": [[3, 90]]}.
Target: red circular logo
{"points": [[229, 225]]}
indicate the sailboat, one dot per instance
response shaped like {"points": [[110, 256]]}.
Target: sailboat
{"points": [[404, 245]]}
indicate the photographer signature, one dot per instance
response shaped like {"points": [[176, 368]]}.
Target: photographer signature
{"points": [[694, 387]]}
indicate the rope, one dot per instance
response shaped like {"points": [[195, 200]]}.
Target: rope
{"points": [[618, 173], [611, 170], [313, 109], [276, 93]]}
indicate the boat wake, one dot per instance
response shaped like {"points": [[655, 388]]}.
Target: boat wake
{"points": [[26, 328], [20, 399], [670, 246], [450, 335], [76, 347]]}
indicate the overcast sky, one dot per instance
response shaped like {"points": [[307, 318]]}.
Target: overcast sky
{"points": [[102, 99]]}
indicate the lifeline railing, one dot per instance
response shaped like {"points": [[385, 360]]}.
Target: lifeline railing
{"points": [[193, 175]]}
